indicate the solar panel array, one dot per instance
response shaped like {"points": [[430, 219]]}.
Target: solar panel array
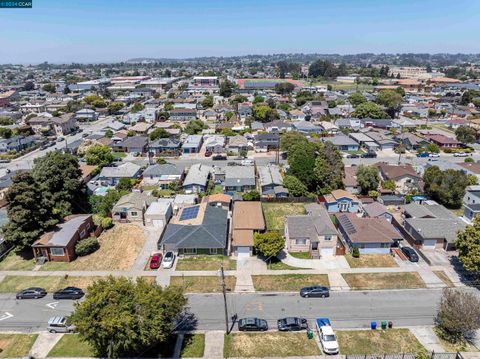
{"points": [[189, 213], [347, 225]]}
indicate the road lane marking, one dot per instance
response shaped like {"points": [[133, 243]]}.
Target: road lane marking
{"points": [[6, 316], [52, 305]]}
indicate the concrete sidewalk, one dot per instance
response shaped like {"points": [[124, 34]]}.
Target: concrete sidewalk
{"points": [[44, 343]]}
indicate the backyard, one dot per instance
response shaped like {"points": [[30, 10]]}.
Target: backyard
{"points": [[287, 282], [202, 284], [275, 214], [207, 262], [367, 281], [371, 261]]}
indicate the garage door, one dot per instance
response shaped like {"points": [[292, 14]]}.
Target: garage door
{"points": [[158, 222], [327, 252], [429, 243], [243, 252]]}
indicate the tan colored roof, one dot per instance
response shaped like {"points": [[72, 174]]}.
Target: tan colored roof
{"points": [[444, 80], [87, 170], [339, 193], [248, 215], [367, 230], [472, 166], [395, 172], [218, 197], [242, 237]]}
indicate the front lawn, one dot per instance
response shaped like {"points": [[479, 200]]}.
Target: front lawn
{"points": [[388, 341], [15, 283], [203, 284], [288, 282], [70, 345], [207, 262], [272, 344], [275, 214], [444, 278], [13, 261], [301, 255], [118, 250], [16, 345], [277, 264], [461, 346], [371, 261], [119, 155], [365, 281], [193, 346]]}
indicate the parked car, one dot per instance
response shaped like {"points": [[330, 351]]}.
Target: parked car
{"points": [[460, 154], [353, 155], [219, 157], [252, 325], [410, 254], [291, 324], [60, 325], [423, 154], [155, 261], [327, 337], [314, 291], [369, 155], [248, 162], [69, 293], [60, 139], [85, 135], [168, 260], [5, 161], [433, 155], [31, 293]]}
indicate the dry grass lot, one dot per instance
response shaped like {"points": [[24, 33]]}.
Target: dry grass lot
{"points": [[206, 262], [287, 282], [377, 341], [275, 213], [445, 279], [202, 284], [16, 345], [118, 250], [462, 346], [13, 261], [364, 281], [70, 345], [371, 261], [15, 283], [271, 344]]}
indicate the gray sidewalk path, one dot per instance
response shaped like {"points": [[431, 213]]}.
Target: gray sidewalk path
{"points": [[427, 337], [214, 341], [44, 343]]}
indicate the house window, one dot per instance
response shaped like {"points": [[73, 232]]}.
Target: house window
{"points": [[328, 238], [133, 214], [88, 226], [57, 252], [300, 241], [213, 251], [82, 234], [189, 250]]}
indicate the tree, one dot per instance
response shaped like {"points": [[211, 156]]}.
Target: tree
{"points": [[301, 161], [5, 132], [49, 88], [433, 148], [466, 134], [356, 99], [58, 176], [131, 133], [446, 187], [159, 133], [99, 155], [472, 180], [114, 107], [29, 86], [264, 113], [367, 178], [137, 107], [195, 126], [251, 196], [28, 212], [122, 318], [390, 185], [288, 139], [391, 99], [207, 102], [369, 110], [468, 246], [458, 315], [102, 205], [284, 88], [226, 88], [269, 243], [109, 133], [323, 68], [295, 187], [124, 185], [329, 169]]}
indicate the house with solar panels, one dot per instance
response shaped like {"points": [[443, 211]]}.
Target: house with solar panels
{"points": [[197, 229]]}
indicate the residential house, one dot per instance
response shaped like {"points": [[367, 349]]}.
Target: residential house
{"points": [[131, 207], [183, 114], [329, 127], [247, 220], [162, 175], [270, 178], [350, 180], [278, 126], [411, 141], [141, 128], [64, 124], [353, 124], [198, 229], [307, 127], [384, 142], [218, 200], [197, 178], [391, 200], [40, 124], [165, 147], [297, 115], [237, 144], [16, 143], [377, 210], [341, 201], [443, 141], [239, 178], [404, 176], [369, 235], [59, 245], [86, 114], [192, 144], [342, 142], [215, 143], [112, 175], [313, 233], [265, 142], [133, 144], [471, 203]]}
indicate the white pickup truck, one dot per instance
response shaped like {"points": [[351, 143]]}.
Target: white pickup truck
{"points": [[327, 337]]}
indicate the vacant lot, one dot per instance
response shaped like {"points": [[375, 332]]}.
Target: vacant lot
{"points": [[193, 346], [377, 341], [15, 283], [269, 344], [203, 284], [119, 248], [371, 261], [287, 282], [275, 213], [22, 261], [16, 345], [205, 263], [445, 279], [363, 281], [70, 345]]}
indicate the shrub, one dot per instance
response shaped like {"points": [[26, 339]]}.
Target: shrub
{"points": [[106, 223], [355, 252], [469, 160], [87, 246]]}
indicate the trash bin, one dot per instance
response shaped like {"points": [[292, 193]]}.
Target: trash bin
{"points": [[373, 325], [310, 334], [390, 324], [384, 324]]}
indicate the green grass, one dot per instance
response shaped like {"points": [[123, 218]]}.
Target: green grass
{"points": [[388, 341], [336, 86], [288, 282], [368, 281], [70, 345], [271, 344], [277, 264], [15, 283], [275, 214], [119, 154], [193, 346], [202, 284], [16, 345], [301, 255], [206, 262], [23, 261]]}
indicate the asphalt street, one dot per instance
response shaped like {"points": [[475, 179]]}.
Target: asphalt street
{"points": [[345, 309]]}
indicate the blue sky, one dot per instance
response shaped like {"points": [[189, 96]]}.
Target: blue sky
{"points": [[106, 30]]}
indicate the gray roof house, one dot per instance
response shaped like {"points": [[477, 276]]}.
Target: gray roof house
{"points": [[165, 146], [162, 175], [471, 203], [192, 144], [342, 142], [377, 210], [270, 178], [239, 178], [197, 178], [112, 175], [132, 144], [132, 207], [237, 143]]}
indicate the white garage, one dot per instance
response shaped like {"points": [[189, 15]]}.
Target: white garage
{"points": [[158, 214], [243, 252], [429, 243], [157, 222], [327, 252]]}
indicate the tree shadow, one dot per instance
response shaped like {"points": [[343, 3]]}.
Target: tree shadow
{"points": [[467, 278]]}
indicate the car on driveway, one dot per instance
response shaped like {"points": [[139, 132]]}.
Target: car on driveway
{"points": [[410, 254], [168, 260], [252, 325], [423, 154], [369, 155], [433, 155], [155, 261], [460, 154], [69, 293], [60, 325], [314, 291], [327, 337], [292, 324], [31, 293]]}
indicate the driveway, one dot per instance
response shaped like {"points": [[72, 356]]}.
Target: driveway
{"points": [[152, 235]]}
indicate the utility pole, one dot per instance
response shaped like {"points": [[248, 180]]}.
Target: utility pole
{"points": [[224, 290]]}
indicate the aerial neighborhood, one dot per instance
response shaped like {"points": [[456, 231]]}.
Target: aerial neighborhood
{"points": [[302, 177]]}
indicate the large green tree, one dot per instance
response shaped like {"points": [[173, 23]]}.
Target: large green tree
{"points": [[122, 318], [102, 205], [392, 101], [159, 133], [288, 139], [295, 187], [264, 113], [466, 134], [226, 88], [301, 161], [356, 99], [446, 187], [269, 243], [367, 178], [369, 110], [99, 155], [329, 169], [468, 246], [195, 126]]}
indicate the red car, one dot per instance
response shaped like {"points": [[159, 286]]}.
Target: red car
{"points": [[155, 261]]}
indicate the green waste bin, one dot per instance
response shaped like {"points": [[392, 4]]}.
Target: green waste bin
{"points": [[384, 324], [309, 334]]}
